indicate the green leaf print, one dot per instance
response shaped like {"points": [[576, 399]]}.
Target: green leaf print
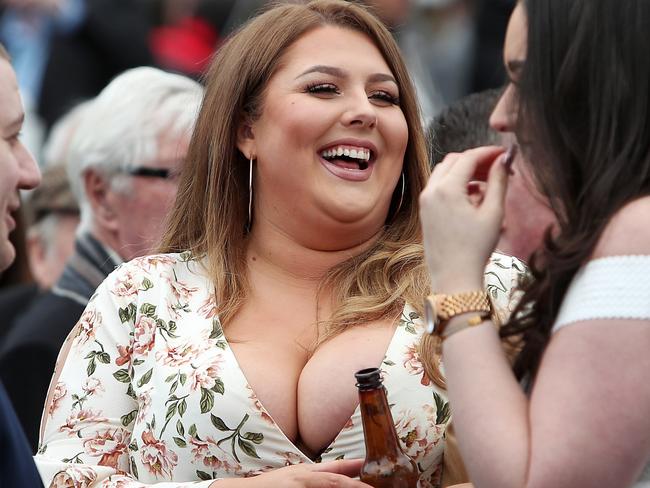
{"points": [[91, 367], [207, 400], [180, 442], [218, 423], [180, 429], [129, 417], [145, 378], [247, 447], [255, 437], [148, 309], [103, 357], [192, 430], [203, 475], [218, 386], [442, 409], [245, 442], [182, 407], [146, 284]]}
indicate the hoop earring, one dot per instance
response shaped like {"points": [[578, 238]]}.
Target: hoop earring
{"points": [[401, 196], [250, 194]]}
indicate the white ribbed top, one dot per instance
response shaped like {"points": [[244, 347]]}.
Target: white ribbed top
{"points": [[613, 287]]}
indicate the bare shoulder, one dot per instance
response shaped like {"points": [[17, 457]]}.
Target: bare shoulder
{"points": [[628, 232]]}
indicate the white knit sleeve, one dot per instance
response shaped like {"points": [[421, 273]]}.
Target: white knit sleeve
{"points": [[613, 287]]}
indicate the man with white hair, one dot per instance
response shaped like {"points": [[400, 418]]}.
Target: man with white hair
{"points": [[123, 161], [18, 171]]}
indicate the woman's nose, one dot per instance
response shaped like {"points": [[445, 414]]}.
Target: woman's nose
{"points": [[360, 112], [504, 115]]}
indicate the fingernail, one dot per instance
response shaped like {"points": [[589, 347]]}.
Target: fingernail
{"points": [[509, 157]]}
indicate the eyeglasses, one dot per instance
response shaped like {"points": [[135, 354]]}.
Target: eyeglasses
{"points": [[147, 172]]}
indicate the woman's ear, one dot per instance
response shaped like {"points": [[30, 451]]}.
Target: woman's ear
{"points": [[246, 140]]}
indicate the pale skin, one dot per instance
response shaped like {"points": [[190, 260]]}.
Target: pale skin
{"points": [[555, 437], [131, 223], [18, 170], [291, 246]]}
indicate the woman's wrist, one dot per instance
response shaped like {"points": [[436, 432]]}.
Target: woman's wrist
{"points": [[456, 282]]}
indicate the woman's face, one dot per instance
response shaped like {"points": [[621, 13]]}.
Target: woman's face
{"points": [[331, 137], [504, 116]]}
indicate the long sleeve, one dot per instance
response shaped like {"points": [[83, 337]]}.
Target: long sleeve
{"points": [[92, 404]]}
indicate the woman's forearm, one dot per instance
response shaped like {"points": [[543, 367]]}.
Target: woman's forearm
{"points": [[486, 399]]}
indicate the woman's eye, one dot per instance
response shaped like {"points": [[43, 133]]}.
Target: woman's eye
{"points": [[323, 89], [384, 97]]}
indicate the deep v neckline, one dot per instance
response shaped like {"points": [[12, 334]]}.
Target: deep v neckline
{"points": [[262, 408]]}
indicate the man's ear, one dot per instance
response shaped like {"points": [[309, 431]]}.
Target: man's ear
{"points": [[246, 139], [101, 199]]}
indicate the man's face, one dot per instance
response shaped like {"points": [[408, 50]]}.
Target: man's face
{"points": [[18, 169], [141, 212]]}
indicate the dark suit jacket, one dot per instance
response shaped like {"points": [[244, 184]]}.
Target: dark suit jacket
{"points": [[29, 355], [14, 300], [17, 468]]}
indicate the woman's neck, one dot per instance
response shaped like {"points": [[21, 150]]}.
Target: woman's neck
{"points": [[296, 261]]}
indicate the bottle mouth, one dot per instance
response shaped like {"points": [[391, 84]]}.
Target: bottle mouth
{"points": [[368, 378]]}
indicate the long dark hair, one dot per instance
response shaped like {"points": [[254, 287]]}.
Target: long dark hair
{"points": [[584, 93]]}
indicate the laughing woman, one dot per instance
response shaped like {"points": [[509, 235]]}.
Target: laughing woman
{"points": [[580, 105], [291, 261]]}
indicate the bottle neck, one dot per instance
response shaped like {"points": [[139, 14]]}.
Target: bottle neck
{"points": [[378, 427]]}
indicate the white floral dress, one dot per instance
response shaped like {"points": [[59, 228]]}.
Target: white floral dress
{"points": [[152, 394]]}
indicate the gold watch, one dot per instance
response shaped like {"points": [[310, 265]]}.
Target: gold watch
{"points": [[440, 308]]}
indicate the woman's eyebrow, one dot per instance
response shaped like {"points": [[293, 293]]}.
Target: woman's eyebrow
{"points": [[341, 73]]}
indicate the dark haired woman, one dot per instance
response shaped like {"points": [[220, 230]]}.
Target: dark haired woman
{"points": [[579, 102]]}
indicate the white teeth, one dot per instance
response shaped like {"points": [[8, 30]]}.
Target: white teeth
{"points": [[362, 154]]}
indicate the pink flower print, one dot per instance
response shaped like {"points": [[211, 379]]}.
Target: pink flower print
{"points": [[208, 308], [144, 335], [121, 482], [156, 457], [144, 404], [181, 291], [180, 354], [259, 407], [60, 391], [147, 262], [88, 322], [213, 456], [205, 375], [289, 458], [92, 385], [74, 477], [125, 355], [127, 285], [109, 445], [413, 364], [80, 419], [415, 436]]}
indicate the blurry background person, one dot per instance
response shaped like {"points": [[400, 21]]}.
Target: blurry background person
{"points": [[52, 216], [18, 171], [464, 125], [124, 159]]}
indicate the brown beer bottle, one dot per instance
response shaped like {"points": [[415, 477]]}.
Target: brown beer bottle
{"points": [[386, 465]]}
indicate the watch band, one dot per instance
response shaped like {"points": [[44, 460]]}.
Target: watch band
{"points": [[439, 308]]}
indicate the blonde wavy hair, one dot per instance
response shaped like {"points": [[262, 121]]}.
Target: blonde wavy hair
{"points": [[210, 215]]}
